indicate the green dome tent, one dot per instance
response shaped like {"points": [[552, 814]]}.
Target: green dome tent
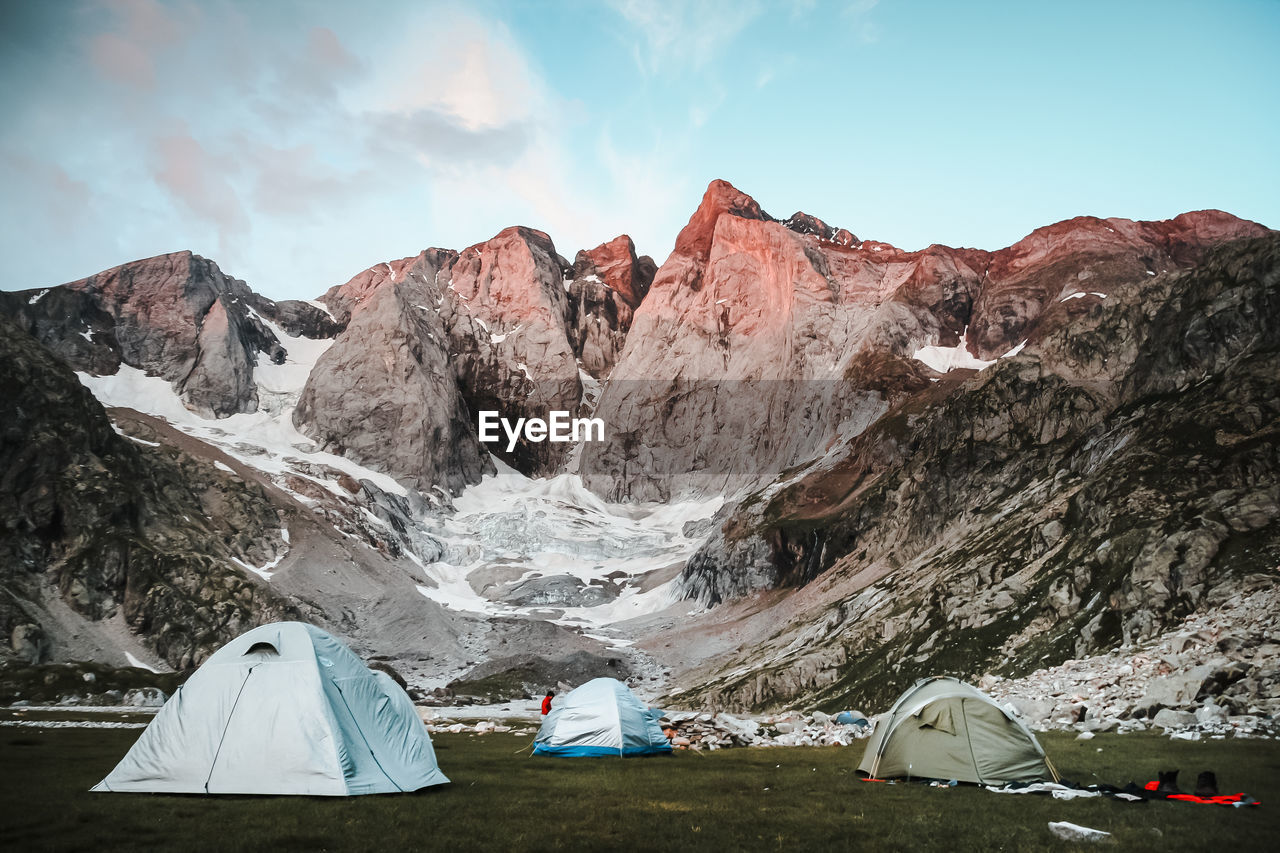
{"points": [[282, 709], [942, 728]]}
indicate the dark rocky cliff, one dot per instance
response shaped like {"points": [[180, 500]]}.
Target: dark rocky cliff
{"points": [[114, 528]]}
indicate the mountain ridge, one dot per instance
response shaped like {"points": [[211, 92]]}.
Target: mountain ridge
{"points": [[776, 373]]}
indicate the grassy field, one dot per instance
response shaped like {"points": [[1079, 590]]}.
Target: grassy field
{"points": [[794, 799]]}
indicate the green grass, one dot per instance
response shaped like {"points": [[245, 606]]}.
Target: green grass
{"points": [[794, 799]]}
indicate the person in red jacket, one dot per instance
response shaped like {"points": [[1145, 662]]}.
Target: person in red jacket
{"points": [[546, 703]]}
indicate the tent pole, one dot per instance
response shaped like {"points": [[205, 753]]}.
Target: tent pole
{"points": [[225, 726]]}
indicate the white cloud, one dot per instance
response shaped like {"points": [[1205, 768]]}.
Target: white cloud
{"points": [[473, 72], [286, 151], [488, 133]]}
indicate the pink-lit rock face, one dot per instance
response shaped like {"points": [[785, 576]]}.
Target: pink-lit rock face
{"points": [[605, 287], [433, 339], [759, 340], [742, 333], [782, 323], [616, 264], [346, 300], [1028, 281], [507, 314], [802, 223]]}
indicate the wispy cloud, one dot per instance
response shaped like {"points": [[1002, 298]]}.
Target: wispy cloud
{"points": [[298, 127], [200, 182], [677, 35], [858, 13], [126, 52]]}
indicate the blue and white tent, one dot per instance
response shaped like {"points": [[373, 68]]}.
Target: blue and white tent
{"points": [[283, 709], [602, 717]]}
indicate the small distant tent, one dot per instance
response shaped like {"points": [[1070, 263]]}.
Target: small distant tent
{"points": [[942, 728], [849, 718], [282, 709], [602, 717]]}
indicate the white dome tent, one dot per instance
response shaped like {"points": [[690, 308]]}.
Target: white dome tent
{"points": [[282, 709], [601, 718]]}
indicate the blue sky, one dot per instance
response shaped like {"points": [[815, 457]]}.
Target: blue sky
{"points": [[297, 143]]}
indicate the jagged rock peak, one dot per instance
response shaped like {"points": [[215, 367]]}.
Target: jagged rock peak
{"points": [[616, 264], [803, 223], [347, 299], [177, 316], [532, 236], [1200, 227], [720, 198], [607, 285], [723, 197]]}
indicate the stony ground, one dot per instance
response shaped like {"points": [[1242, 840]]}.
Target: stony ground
{"points": [[1216, 674]]}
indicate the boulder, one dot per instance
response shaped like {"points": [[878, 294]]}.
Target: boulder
{"points": [[1033, 710], [1176, 690], [29, 643], [1211, 714], [144, 697], [1167, 718]]}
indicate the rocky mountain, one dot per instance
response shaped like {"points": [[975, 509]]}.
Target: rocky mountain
{"points": [[175, 316], [762, 343], [831, 466], [251, 395], [430, 341], [384, 394], [607, 286], [103, 528], [1117, 475]]}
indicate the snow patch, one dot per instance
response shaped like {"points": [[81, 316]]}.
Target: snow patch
{"points": [[497, 339], [139, 664], [1011, 353], [944, 359], [325, 308], [549, 527], [280, 385], [135, 439], [41, 295], [222, 466], [264, 441], [263, 571]]}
